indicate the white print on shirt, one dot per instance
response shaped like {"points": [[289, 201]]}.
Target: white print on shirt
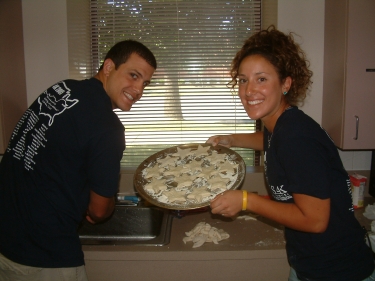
{"points": [[51, 105], [280, 194]]}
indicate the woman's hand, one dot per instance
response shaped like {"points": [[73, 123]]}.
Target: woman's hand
{"points": [[227, 204], [223, 140]]}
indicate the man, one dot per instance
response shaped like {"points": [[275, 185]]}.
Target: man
{"points": [[62, 163]]}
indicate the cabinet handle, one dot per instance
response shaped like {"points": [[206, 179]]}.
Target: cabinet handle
{"points": [[356, 127]]}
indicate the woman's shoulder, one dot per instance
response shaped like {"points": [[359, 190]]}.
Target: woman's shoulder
{"points": [[294, 118], [297, 124]]}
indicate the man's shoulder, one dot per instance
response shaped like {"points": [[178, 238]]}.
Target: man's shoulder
{"points": [[86, 83]]}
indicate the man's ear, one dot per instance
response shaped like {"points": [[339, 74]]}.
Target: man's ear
{"points": [[108, 66]]}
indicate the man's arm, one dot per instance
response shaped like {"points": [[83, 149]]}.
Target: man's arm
{"points": [[100, 207]]}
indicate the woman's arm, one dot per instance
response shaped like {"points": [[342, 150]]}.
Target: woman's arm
{"points": [[252, 140], [309, 214]]}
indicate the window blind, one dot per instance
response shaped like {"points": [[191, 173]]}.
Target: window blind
{"points": [[194, 43]]}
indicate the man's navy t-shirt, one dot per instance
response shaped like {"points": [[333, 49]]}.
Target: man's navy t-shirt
{"points": [[67, 143]]}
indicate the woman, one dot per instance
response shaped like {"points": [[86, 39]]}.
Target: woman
{"points": [[310, 188]]}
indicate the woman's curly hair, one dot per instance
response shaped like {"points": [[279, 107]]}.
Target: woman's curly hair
{"points": [[284, 54]]}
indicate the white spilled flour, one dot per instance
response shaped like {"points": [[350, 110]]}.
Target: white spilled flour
{"points": [[202, 233], [190, 176]]}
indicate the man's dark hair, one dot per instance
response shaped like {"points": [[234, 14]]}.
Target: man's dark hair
{"points": [[122, 50]]}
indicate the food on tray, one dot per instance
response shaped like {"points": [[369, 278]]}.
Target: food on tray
{"points": [[156, 186], [190, 175]]}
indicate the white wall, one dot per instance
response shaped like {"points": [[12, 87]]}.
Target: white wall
{"points": [[306, 18], [46, 52], [45, 34]]}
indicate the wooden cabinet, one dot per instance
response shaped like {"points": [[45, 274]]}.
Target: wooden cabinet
{"points": [[13, 98], [349, 73]]}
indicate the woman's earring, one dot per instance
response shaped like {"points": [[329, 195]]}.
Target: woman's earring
{"points": [[285, 93]]}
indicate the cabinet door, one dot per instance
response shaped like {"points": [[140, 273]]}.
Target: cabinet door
{"points": [[360, 76]]}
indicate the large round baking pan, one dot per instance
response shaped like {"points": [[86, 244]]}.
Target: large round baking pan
{"points": [[140, 181]]}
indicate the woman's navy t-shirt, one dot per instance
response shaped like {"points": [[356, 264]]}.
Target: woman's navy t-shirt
{"points": [[301, 158]]}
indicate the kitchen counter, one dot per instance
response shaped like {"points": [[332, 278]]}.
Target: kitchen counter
{"points": [[255, 248]]}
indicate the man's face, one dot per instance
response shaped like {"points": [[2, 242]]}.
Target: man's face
{"points": [[125, 85]]}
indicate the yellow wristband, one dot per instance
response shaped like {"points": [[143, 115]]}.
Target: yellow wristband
{"points": [[244, 200]]}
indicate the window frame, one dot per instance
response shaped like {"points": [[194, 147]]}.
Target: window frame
{"points": [[95, 62]]}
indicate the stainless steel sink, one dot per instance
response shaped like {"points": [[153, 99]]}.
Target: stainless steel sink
{"points": [[147, 226]]}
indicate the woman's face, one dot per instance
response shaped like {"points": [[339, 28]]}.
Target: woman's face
{"points": [[261, 90]]}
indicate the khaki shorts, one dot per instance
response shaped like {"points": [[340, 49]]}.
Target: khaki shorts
{"points": [[11, 271]]}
